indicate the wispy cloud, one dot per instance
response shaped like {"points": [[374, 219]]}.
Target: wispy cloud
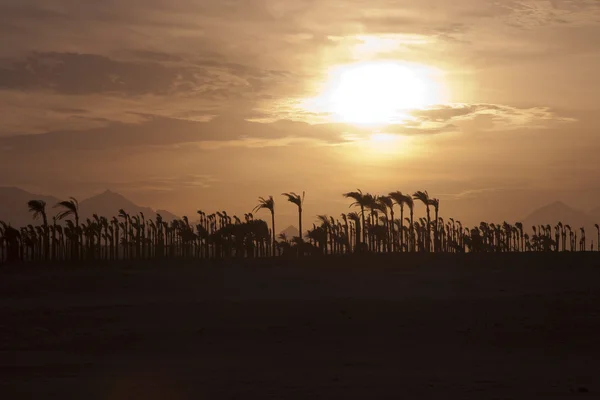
{"points": [[529, 14]]}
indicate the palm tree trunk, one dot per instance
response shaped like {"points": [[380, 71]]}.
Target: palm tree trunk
{"points": [[300, 223], [273, 225], [364, 226], [412, 229], [428, 231], [436, 236], [401, 228]]}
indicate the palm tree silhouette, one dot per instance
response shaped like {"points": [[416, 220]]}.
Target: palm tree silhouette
{"points": [[354, 217], [219, 235], [71, 208], [38, 208], [436, 207], [268, 204], [424, 198], [126, 220], [402, 200], [361, 200], [387, 203], [298, 201], [327, 228]]}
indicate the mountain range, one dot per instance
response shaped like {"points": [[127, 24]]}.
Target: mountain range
{"points": [[560, 212], [13, 210]]}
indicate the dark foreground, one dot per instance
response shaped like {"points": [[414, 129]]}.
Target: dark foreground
{"points": [[484, 327]]}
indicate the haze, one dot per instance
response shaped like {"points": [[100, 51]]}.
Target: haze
{"points": [[491, 106]]}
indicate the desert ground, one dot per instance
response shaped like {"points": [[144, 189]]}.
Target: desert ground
{"points": [[473, 326]]}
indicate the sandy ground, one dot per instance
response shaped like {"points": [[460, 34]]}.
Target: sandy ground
{"points": [[481, 327]]}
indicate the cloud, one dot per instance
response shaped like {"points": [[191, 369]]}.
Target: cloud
{"points": [[161, 131], [528, 14], [153, 130], [96, 80], [191, 60], [485, 117], [79, 74]]}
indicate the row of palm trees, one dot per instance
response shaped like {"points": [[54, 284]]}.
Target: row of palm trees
{"points": [[373, 227]]}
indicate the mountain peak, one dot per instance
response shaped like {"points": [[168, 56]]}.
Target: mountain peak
{"points": [[290, 231], [14, 210], [556, 212], [109, 195], [557, 203]]}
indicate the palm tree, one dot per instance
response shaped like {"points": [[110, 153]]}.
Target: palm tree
{"points": [[598, 242], [436, 207], [268, 204], [11, 238], [385, 203], [346, 227], [71, 207], [424, 198], [519, 226], [126, 218], [402, 200], [38, 208], [298, 201], [361, 200], [283, 237], [327, 228], [354, 217]]}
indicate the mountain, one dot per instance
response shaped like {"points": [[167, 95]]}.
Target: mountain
{"points": [[13, 206], [291, 231], [108, 203], [166, 215], [560, 212]]}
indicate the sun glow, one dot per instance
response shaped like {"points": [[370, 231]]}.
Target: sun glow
{"points": [[385, 143], [378, 93]]}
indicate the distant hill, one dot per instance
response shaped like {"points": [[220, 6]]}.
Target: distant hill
{"points": [[166, 215], [291, 231], [560, 212], [109, 203], [13, 206]]}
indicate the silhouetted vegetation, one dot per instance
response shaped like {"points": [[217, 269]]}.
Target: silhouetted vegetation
{"points": [[374, 228]]}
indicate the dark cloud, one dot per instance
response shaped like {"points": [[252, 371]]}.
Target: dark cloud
{"points": [[160, 131], [78, 74], [88, 73], [26, 10]]}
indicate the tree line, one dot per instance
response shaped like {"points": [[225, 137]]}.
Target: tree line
{"points": [[379, 224]]}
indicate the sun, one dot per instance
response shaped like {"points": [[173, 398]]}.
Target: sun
{"points": [[378, 92]]}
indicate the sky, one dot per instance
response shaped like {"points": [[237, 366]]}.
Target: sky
{"points": [[490, 106]]}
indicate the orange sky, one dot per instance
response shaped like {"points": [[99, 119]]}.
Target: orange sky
{"points": [[210, 104]]}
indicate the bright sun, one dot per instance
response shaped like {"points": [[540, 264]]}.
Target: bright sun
{"points": [[378, 92]]}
